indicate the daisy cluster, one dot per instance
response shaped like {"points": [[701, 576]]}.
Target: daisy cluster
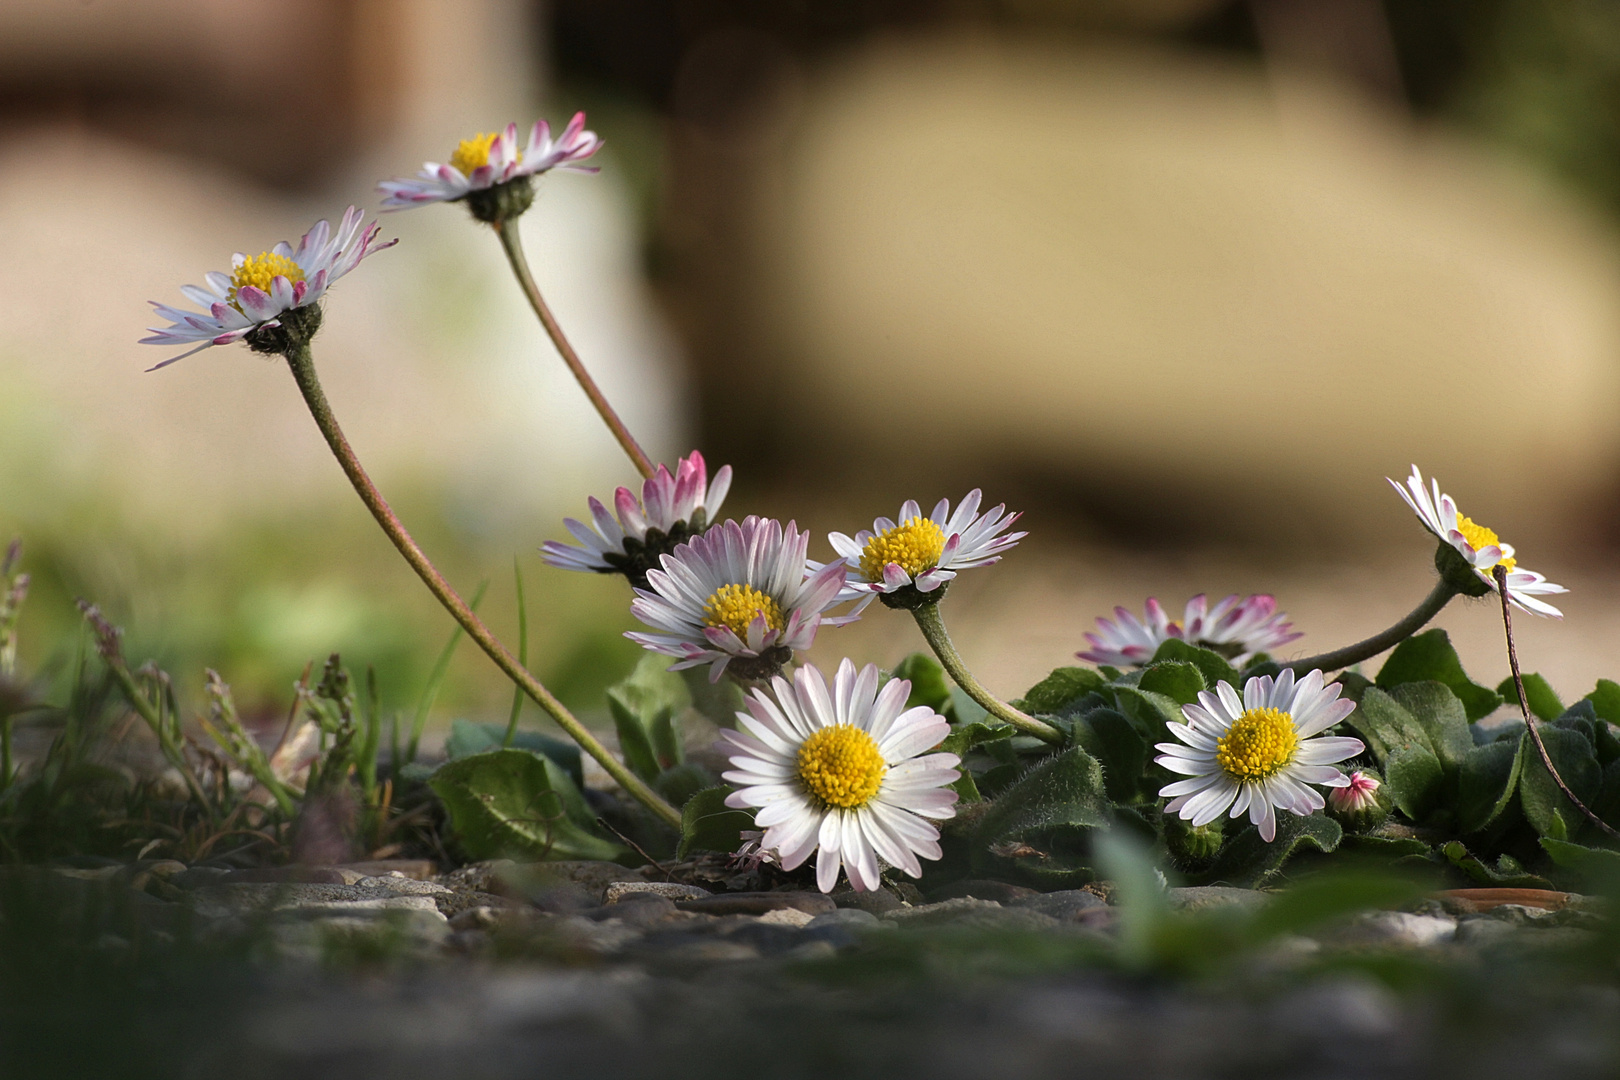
{"points": [[855, 772]]}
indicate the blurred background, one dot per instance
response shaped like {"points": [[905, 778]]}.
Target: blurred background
{"points": [[1181, 279]]}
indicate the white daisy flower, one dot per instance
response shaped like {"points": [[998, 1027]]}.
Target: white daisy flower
{"points": [[265, 290], [1479, 546], [489, 159], [672, 509], [741, 596], [845, 774], [1257, 754], [922, 553], [1236, 627]]}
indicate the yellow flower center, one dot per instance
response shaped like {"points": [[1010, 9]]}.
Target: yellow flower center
{"points": [[258, 271], [914, 545], [737, 605], [473, 153], [1257, 745], [1478, 536], [841, 766]]}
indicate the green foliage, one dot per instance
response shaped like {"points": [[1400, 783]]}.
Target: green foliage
{"points": [[1211, 664], [1506, 874], [929, 684], [645, 707], [1442, 717], [1177, 680], [708, 824], [516, 803], [1249, 860], [1057, 691], [1053, 811], [1548, 809], [962, 740], [1538, 693], [1113, 740], [1487, 781], [1429, 655], [467, 738]]}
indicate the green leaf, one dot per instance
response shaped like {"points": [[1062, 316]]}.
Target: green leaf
{"points": [[1538, 692], [963, 739], [644, 708], [719, 702], [1247, 859], [1055, 810], [1063, 687], [1110, 738], [1175, 679], [1605, 699], [1442, 717], [1598, 866], [1430, 656], [708, 824], [1149, 711], [1213, 665], [963, 709], [1415, 780], [678, 783], [1486, 781], [1386, 726], [929, 684], [1547, 809], [1506, 874], [467, 738], [514, 803]]}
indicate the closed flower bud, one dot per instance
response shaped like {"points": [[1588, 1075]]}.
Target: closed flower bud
{"points": [[1362, 804], [1192, 846]]}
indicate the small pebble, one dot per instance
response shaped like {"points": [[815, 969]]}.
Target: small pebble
{"points": [[758, 903], [618, 891]]}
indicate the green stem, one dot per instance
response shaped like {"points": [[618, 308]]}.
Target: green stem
{"points": [[512, 244], [932, 626], [1438, 598], [303, 371], [154, 720], [523, 654]]}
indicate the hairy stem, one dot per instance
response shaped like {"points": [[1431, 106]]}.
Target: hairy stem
{"points": [[1438, 598], [1499, 572], [932, 626], [303, 370], [512, 243]]}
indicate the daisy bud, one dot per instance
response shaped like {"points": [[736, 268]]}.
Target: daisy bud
{"points": [[1362, 804], [1193, 846]]}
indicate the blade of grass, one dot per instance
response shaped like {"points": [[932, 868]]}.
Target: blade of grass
{"points": [[523, 654], [431, 690]]}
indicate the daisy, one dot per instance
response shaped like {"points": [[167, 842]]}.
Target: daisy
{"points": [[270, 298], [1257, 754], [1236, 628], [489, 160], [1480, 547], [921, 554], [843, 773], [738, 595], [671, 509]]}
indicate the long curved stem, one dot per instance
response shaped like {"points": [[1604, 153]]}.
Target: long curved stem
{"points": [[303, 370], [1438, 598], [1499, 572], [932, 626], [512, 244]]}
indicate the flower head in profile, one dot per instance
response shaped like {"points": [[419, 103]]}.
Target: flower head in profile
{"points": [[1259, 753], [671, 510], [1480, 548], [1237, 628], [741, 597], [269, 299], [843, 772], [906, 564], [492, 174]]}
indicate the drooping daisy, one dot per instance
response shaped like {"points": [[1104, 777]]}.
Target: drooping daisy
{"points": [[671, 510], [270, 299], [1237, 628], [1257, 754], [488, 163], [906, 562], [739, 596], [1480, 547], [844, 773]]}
